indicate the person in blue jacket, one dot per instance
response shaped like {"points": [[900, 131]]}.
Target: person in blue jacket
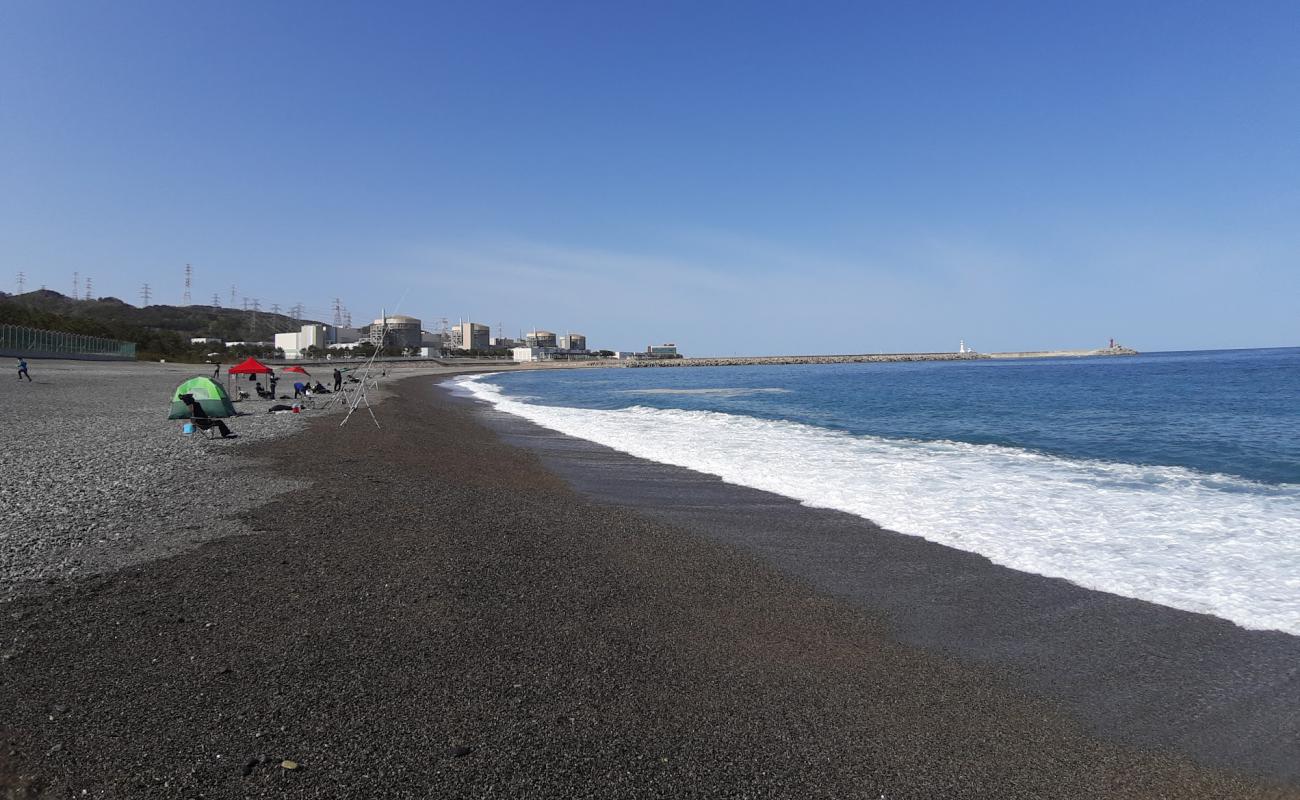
{"points": [[22, 370]]}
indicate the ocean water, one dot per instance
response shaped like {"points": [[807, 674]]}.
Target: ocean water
{"points": [[1168, 477]]}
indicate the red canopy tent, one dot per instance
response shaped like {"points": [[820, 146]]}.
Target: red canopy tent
{"points": [[251, 366], [295, 369]]}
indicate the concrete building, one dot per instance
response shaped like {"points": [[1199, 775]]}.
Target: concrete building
{"points": [[541, 339], [402, 331], [661, 351], [474, 336], [338, 335], [429, 340], [532, 353], [506, 343], [573, 341], [293, 344]]}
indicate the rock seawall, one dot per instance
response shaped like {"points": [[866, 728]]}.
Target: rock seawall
{"points": [[745, 361]]}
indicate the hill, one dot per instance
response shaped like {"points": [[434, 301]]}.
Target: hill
{"points": [[158, 331]]}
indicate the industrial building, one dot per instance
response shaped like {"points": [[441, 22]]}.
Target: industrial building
{"points": [[523, 354], [662, 351], [401, 331], [541, 339], [295, 343], [573, 341], [473, 336]]}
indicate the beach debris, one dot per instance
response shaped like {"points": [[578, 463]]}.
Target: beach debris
{"points": [[287, 764], [459, 751]]}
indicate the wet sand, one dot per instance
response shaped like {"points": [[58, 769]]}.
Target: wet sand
{"points": [[439, 614]]}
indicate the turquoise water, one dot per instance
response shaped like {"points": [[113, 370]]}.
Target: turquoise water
{"points": [[1169, 477]]}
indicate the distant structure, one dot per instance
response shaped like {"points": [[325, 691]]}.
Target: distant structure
{"points": [[527, 354], [662, 351], [962, 348], [22, 282], [573, 341], [541, 339], [295, 343], [397, 330], [145, 294], [89, 290], [473, 336], [189, 279]]}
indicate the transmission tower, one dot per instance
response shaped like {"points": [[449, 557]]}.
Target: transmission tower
{"points": [[275, 308], [145, 293], [88, 289], [253, 331], [296, 311], [338, 313], [189, 276], [232, 296], [22, 282], [347, 318], [216, 300], [76, 285]]}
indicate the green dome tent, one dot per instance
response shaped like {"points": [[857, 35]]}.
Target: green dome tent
{"points": [[210, 396]]}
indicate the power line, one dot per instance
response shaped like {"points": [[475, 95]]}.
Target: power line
{"points": [[189, 275], [145, 293]]}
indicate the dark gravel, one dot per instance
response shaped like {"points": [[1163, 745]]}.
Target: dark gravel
{"points": [[438, 616]]}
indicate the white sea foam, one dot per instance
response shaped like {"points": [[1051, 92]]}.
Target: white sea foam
{"points": [[1212, 544]]}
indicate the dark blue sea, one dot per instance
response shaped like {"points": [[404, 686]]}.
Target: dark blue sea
{"points": [[1172, 477]]}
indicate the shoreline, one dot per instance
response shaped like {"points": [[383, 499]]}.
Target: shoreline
{"points": [[437, 612], [1135, 670]]}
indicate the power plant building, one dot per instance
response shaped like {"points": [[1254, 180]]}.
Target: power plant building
{"points": [[541, 339], [573, 341], [398, 330], [473, 336], [293, 344]]}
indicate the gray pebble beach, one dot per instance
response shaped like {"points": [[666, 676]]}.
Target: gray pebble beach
{"points": [[436, 608]]}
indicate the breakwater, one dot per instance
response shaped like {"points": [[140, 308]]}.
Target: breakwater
{"points": [[742, 361]]}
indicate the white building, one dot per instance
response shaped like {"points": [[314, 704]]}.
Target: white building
{"points": [[532, 353], [205, 340], [293, 344]]}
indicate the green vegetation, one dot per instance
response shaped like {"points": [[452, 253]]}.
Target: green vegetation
{"points": [[158, 331]]}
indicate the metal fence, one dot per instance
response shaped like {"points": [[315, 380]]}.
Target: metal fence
{"points": [[16, 340]]}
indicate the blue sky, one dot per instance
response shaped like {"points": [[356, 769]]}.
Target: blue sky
{"points": [[738, 177]]}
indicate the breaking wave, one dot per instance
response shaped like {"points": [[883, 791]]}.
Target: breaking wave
{"points": [[1207, 543]]}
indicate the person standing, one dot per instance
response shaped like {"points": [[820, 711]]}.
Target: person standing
{"points": [[338, 379], [273, 380], [216, 372], [22, 370]]}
